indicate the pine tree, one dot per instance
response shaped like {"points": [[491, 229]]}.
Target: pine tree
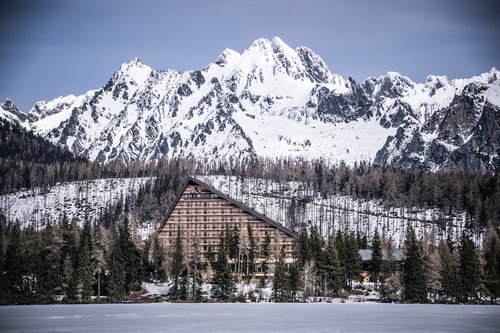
{"points": [[196, 280], [222, 282], [251, 251], [469, 269], [266, 252], [335, 272], [3, 245], [117, 272], [69, 259], [158, 261], [432, 269], [413, 271], [389, 261], [132, 258], [125, 265], [281, 286], [69, 283], [492, 265], [353, 259], [101, 249], [340, 244], [12, 282], [177, 267], [293, 281], [85, 271], [449, 271], [304, 251], [49, 279], [376, 260]]}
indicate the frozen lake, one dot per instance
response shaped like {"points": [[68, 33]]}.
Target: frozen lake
{"points": [[261, 317]]}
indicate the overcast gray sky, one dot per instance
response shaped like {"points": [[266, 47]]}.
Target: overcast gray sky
{"points": [[54, 48]]}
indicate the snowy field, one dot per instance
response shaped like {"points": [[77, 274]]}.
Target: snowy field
{"points": [[260, 317]]}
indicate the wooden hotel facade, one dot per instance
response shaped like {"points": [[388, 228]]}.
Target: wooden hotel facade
{"points": [[202, 213]]}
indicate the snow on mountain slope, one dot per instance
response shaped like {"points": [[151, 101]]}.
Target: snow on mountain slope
{"points": [[272, 100], [75, 199], [460, 130]]}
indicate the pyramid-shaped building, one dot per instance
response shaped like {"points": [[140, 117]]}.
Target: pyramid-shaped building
{"points": [[203, 214]]}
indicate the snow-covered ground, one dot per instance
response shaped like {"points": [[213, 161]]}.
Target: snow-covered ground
{"points": [[284, 202], [281, 201], [76, 199], [254, 317]]}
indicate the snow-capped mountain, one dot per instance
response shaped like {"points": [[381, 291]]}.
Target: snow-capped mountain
{"points": [[272, 100]]}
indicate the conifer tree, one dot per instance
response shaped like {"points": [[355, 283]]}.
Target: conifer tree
{"points": [[281, 282], [389, 261], [469, 269], [492, 265], [449, 271], [376, 260], [132, 258], [125, 264], [85, 272], [252, 250], [222, 282], [49, 279], [116, 268], [3, 244], [196, 280], [340, 244], [414, 286], [335, 273], [12, 283], [177, 267], [293, 281], [304, 251], [353, 259], [266, 252], [158, 261]]}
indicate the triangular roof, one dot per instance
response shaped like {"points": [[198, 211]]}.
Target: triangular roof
{"points": [[194, 181]]}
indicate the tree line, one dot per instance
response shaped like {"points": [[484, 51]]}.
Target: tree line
{"points": [[68, 263]]}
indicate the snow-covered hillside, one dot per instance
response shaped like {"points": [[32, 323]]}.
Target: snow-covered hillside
{"points": [[294, 205], [78, 200], [272, 100]]}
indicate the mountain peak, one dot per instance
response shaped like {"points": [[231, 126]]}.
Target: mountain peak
{"points": [[225, 57], [11, 112], [136, 62]]}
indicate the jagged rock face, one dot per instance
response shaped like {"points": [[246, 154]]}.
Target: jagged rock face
{"points": [[462, 136], [11, 113], [272, 100]]}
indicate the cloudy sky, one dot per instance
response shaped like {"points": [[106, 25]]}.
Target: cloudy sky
{"points": [[54, 48]]}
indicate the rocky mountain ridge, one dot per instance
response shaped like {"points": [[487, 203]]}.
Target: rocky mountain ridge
{"points": [[272, 100]]}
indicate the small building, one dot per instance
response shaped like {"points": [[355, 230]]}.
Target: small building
{"points": [[203, 214], [366, 257]]}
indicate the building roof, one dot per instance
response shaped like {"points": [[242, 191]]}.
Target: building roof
{"points": [[366, 255], [194, 181]]}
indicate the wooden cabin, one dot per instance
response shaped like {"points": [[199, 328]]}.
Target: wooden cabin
{"points": [[202, 213]]}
